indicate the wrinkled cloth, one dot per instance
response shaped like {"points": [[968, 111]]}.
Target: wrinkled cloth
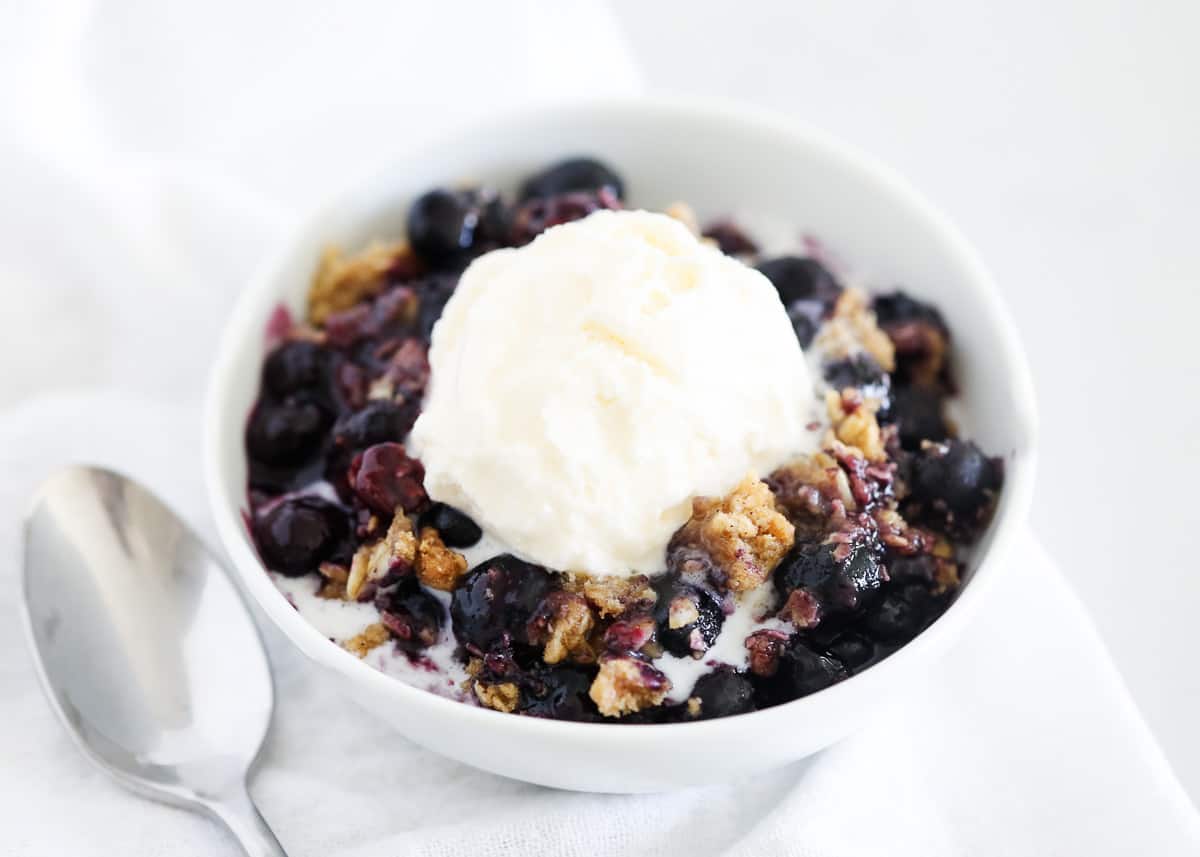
{"points": [[152, 153]]}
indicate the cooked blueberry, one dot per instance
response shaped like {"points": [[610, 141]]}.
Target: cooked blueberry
{"points": [[864, 374], [688, 617], [496, 599], [853, 650], [723, 692], [731, 239], [900, 615], [285, 433], [297, 535], [917, 413], [806, 320], [433, 292], [379, 422], [573, 174], [540, 213], [445, 227], [800, 671], [413, 616], [841, 575], [384, 477], [801, 278], [457, 530], [898, 307], [956, 475], [294, 366], [559, 692]]}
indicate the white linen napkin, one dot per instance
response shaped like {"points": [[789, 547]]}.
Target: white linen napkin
{"points": [[153, 150]]}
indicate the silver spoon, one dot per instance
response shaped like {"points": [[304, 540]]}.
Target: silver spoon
{"points": [[145, 648]]}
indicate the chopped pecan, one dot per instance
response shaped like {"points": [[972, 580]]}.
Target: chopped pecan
{"points": [[765, 647], [854, 424], [562, 625], [802, 609], [334, 585], [625, 685], [384, 561], [343, 281], [438, 566], [853, 329], [502, 697]]}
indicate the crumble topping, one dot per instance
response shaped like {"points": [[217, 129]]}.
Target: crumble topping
{"points": [[854, 423], [370, 637], [438, 566], [333, 585], [501, 697], [390, 557], [612, 596], [563, 624], [744, 533], [684, 213], [341, 281], [625, 685], [853, 329]]}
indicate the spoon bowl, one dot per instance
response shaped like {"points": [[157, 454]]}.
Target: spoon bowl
{"points": [[145, 648]]}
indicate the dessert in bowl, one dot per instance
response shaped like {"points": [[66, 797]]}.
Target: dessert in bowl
{"points": [[544, 453]]}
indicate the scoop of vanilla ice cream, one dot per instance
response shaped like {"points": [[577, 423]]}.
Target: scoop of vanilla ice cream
{"points": [[587, 386]]}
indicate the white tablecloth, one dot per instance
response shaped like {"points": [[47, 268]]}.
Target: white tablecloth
{"points": [[151, 154]]}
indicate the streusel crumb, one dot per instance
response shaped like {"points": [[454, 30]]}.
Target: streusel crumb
{"points": [[333, 585], [626, 685], [854, 423], [853, 329], [563, 624], [343, 281], [371, 637], [502, 697], [438, 566], [394, 554], [612, 596], [744, 533]]}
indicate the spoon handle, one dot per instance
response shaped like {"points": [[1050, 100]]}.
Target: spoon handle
{"points": [[237, 810]]}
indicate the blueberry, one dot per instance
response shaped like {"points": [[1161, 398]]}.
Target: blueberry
{"points": [[917, 413], [540, 213], [457, 530], [573, 174], [285, 433], [446, 227], [559, 693], [799, 672], [496, 599], [294, 366], [956, 475], [901, 614], [379, 422], [864, 374], [723, 692], [840, 575], [730, 238], [806, 320], [688, 617], [854, 650], [801, 278], [412, 615], [297, 535], [898, 308], [384, 477], [433, 292]]}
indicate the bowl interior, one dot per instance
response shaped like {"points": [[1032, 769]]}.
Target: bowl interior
{"points": [[720, 161]]}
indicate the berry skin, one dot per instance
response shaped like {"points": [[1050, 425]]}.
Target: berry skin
{"points": [[899, 308], [956, 476], [801, 278], [800, 670], [294, 367], [413, 616], [379, 422], [496, 599], [559, 693], [840, 576], [447, 227], [297, 535], [456, 529], [856, 651], [384, 477], [540, 213], [901, 614], [688, 617], [723, 692], [285, 433], [572, 174]]}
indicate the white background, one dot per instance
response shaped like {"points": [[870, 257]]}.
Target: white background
{"points": [[1064, 138]]}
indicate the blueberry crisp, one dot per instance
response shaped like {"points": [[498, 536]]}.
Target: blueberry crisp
{"points": [[778, 585]]}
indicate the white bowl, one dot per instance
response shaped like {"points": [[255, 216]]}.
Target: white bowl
{"points": [[719, 159]]}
